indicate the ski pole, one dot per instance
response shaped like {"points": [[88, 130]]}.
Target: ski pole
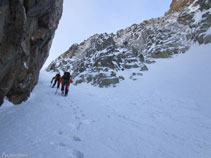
{"points": [[56, 90]]}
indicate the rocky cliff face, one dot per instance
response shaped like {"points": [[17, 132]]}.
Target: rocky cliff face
{"points": [[178, 5], [27, 29], [102, 59]]}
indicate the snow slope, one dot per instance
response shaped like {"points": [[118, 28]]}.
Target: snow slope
{"points": [[164, 114]]}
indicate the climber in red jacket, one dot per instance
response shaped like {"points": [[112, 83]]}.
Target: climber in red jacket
{"points": [[56, 80]]}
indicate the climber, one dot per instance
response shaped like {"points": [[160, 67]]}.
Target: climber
{"points": [[56, 80], [65, 80]]}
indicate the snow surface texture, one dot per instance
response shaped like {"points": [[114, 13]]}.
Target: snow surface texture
{"points": [[164, 114]]}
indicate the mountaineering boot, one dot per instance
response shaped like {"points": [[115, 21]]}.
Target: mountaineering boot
{"points": [[66, 92]]}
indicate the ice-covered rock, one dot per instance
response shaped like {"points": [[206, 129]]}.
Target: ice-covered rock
{"points": [[95, 59]]}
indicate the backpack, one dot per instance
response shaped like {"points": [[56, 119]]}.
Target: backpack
{"points": [[57, 76], [66, 77]]}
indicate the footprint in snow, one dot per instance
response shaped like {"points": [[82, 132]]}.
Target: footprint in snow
{"points": [[75, 113], [74, 109], [88, 121], [79, 126], [83, 115], [77, 117], [73, 126], [62, 144], [76, 139], [75, 154], [60, 132], [122, 116], [59, 105]]}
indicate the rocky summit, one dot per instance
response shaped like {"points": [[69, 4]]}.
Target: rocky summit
{"points": [[102, 58], [27, 29]]}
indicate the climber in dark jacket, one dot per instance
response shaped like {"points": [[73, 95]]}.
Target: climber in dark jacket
{"points": [[56, 80], [65, 80]]}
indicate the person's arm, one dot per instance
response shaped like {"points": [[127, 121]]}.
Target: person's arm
{"points": [[52, 79], [71, 81]]}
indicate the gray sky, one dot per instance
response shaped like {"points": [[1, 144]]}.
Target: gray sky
{"points": [[84, 18]]}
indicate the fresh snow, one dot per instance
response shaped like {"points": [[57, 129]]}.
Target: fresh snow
{"points": [[193, 8], [25, 65], [208, 31], [166, 113], [198, 17]]}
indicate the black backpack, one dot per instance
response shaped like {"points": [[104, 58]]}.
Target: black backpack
{"points": [[66, 76]]}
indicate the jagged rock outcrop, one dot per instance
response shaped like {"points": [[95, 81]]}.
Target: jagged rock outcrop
{"points": [[27, 29], [102, 59], [178, 5]]}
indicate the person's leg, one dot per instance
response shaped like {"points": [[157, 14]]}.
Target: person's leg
{"points": [[62, 87], [58, 83], [54, 83], [67, 89]]}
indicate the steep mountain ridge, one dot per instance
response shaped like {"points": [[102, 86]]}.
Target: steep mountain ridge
{"points": [[101, 59]]}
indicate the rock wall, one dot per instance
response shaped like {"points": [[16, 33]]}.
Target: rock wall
{"points": [[27, 29], [178, 5]]}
